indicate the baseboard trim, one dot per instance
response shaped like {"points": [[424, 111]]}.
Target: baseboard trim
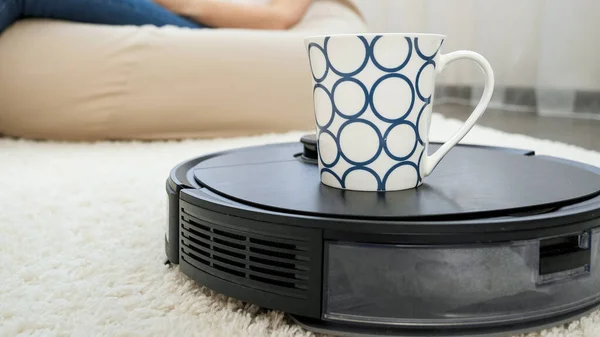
{"points": [[543, 102]]}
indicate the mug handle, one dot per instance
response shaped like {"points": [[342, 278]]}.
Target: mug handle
{"points": [[430, 162]]}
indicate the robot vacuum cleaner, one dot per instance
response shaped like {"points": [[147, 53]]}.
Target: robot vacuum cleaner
{"points": [[496, 241]]}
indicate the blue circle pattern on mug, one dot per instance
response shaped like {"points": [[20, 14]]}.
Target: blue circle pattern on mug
{"points": [[353, 117]]}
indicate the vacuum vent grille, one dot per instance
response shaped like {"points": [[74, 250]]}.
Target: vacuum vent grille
{"points": [[258, 260]]}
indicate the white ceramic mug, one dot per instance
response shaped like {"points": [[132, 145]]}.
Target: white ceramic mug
{"points": [[372, 97]]}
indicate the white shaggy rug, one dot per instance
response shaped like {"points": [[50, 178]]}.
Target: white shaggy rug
{"points": [[81, 241]]}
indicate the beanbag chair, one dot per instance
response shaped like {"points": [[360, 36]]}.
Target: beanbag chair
{"points": [[73, 81]]}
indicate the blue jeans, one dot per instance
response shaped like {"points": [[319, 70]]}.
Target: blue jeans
{"points": [[109, 12]]}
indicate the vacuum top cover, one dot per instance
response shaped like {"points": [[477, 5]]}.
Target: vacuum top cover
{"points": [[471, 182]]}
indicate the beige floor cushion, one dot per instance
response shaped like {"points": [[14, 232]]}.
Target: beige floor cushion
{"points": [[71, 81]]}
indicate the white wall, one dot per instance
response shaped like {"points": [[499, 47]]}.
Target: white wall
{"points": [[532, 43]]}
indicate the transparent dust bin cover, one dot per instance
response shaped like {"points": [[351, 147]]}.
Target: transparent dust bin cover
{"points": [[461, 285]]}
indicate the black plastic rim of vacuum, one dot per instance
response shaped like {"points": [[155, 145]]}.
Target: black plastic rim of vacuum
{"points": [[187, 200], [349, 330]]}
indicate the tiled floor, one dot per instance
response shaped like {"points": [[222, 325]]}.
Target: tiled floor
{"points": [[580, 132]]}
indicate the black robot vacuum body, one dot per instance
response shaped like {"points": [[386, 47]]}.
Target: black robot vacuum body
{"points": [[496, 241]]}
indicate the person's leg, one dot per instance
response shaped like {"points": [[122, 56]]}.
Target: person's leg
{"points": [[10, 11], [110, 12]]}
